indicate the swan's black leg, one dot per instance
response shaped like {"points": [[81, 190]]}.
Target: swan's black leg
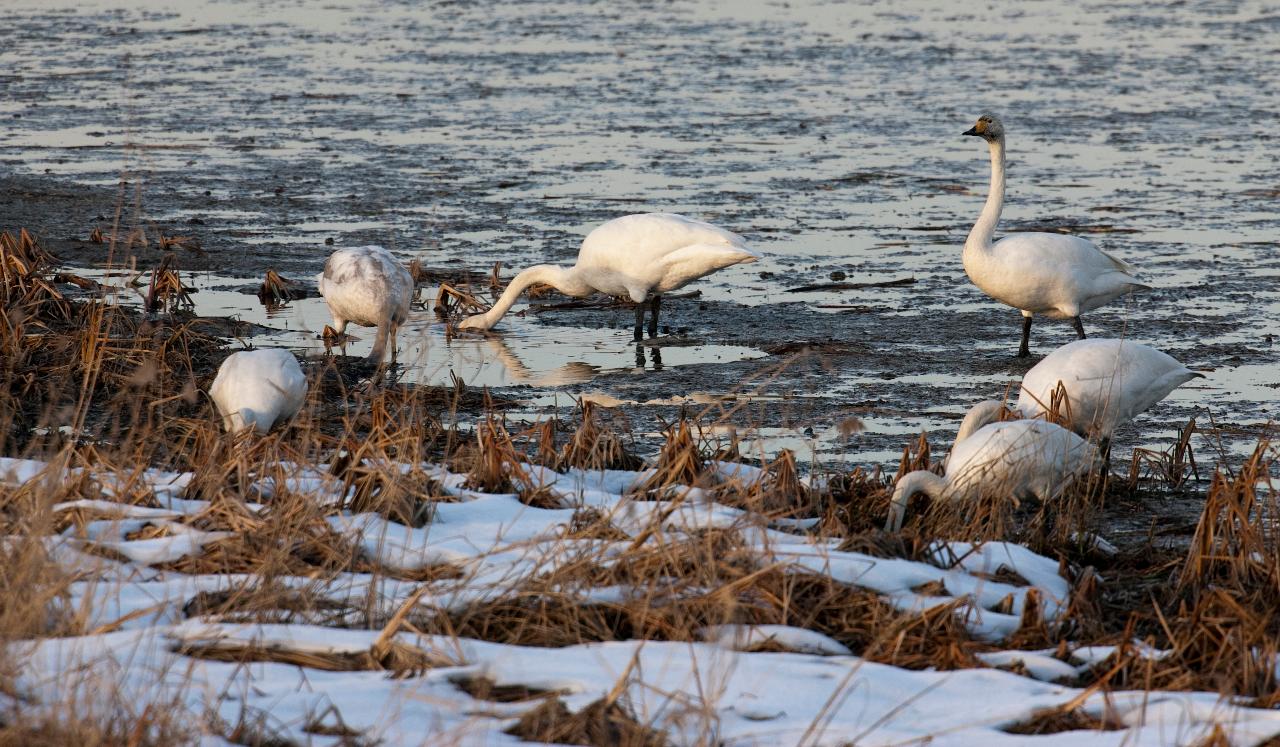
{"points": [[1079, 327], [639, 321], [653, 315], [1025, 348]]}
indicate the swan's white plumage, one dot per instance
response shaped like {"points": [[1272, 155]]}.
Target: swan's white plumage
{"points": [[368, 286], [258, 388], [635, 256], [1108, 382], [1047, 274], [1017, 458]]}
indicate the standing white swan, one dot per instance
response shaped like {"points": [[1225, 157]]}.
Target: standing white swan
{"points": [[367, 286], [1052, 274], [258, 388], [1108, 383], [637, 256], [1019, 458]]}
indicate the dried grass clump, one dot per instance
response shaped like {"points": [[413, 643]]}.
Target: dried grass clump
{"points": [[393, 656], [483, 688], [1057, 721], [372, 486], [1216, 612], [852, 503], [604, 722], [780, 493], [495, 465], [153, 724], [679, 587], [594, 446], [680, 460]]}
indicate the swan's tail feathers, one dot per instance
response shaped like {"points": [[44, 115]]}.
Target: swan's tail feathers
{"points": [[1121, 265], [699, 259]]}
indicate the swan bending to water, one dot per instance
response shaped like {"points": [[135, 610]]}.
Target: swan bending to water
{"points": [[258, 388], [366, 285], [637, 256], [1021, 458], [1052, 274], [1108, 383]]}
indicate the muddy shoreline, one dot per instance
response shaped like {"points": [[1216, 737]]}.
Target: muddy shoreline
{"points": [[907, 366]]}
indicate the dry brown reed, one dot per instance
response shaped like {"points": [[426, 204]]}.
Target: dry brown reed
{"points": [[276, 290]]}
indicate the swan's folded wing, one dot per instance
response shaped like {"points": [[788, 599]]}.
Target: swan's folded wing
{"points": [[697, 260]]}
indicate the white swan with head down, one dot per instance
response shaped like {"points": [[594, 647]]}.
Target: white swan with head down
{"points": [[1019, 458], [1108, 383], [636, 256], [366, 285], [258, 388], [1050, 274]]}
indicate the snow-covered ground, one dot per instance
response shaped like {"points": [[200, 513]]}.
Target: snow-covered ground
{"points": [[808, 689]]}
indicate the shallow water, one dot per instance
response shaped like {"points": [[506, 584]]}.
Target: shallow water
{"points": [[827, 134]]}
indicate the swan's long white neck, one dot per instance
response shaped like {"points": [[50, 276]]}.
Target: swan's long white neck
{"points": [[563, 279], [984, 413], [980, 237], [920, 481]]}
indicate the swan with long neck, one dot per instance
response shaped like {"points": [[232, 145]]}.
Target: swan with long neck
{"points": [[639, 257], [1018, 458], [368, 286], [1108, 382], [1050, 274], [255, 389]]}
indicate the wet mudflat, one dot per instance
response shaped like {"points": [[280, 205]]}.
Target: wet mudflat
{"points": [[467, 134]]}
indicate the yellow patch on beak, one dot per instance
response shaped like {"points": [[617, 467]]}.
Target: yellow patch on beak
{"points": [[980, 127]]}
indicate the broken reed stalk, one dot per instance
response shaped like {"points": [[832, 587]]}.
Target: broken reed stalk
{"points": [[451, 301], [276, 290], [914, 459]]}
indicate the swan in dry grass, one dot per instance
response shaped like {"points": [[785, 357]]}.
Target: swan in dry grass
{"points": [[1107, 382], [1019, 458], [367, 286], [1051, 274], [637, 256], [258, 388]]}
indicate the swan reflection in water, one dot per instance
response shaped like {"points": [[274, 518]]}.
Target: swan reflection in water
{"points": [[655, 356], [573, 372]]}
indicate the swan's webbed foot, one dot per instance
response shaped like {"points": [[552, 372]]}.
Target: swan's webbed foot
{"points": [[654, 304], [1024, 349], [1075, 321]]}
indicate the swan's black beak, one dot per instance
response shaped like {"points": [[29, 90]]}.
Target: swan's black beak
{"points": [[972, 131]]}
